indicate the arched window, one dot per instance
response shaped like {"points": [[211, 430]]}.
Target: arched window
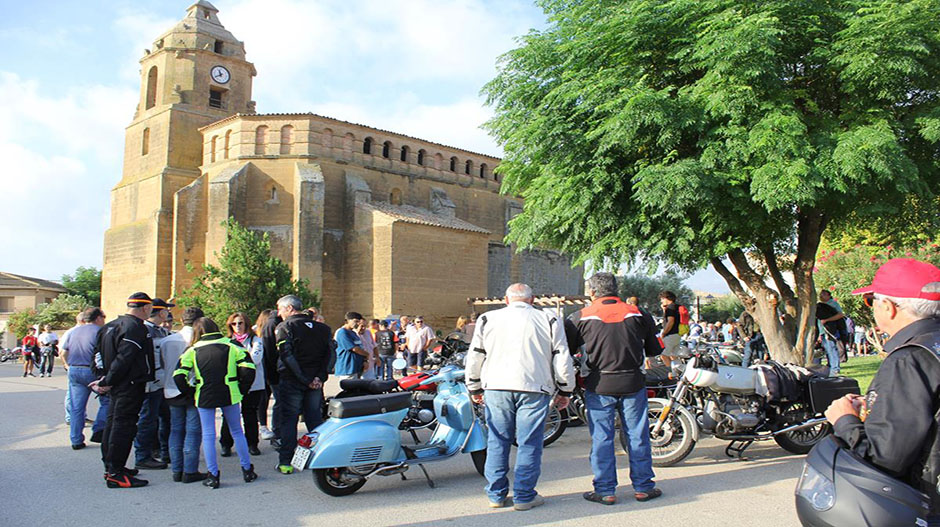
{"points": [[348, 142], [215, 139], [151, 99], [386, 149], [468, 167], [326, 138], [483, 170], [404, 153], [273, 193], [145, 142], [495, 176], [367, 145], [228, 143], [260, 134], [421, 154], [453, 164], [286, 138], [394, 197], [438, 161]]}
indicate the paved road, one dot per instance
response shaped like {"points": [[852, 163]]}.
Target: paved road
{"points": [[44, 482]]}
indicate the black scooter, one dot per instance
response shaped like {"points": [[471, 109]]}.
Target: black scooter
{"points": [[839, 489]]}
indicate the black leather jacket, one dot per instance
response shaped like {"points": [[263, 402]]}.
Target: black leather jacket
{"points": [[127, 352], [899, 433]]}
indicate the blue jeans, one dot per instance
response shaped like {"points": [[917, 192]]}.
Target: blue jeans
{"points": [[385, 368], [518, 416], [633, 410], [79, 392], [832, 355], [755, 345], [185, 436], [296, 399], [232, 415], [147, 426]]}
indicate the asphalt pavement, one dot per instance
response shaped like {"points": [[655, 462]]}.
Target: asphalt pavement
{"points": [[43, 482]]}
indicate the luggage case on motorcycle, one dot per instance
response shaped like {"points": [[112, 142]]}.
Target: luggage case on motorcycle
{"points": [[824, 390]]}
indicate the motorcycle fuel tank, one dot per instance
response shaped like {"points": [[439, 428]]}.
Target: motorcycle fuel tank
{"points": [[735, 379]]}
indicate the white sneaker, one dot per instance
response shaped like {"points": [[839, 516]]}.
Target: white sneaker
{"points": [[266, 433]]}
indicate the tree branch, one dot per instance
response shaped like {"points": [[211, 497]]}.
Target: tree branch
{"points": [[736, 287], [786, 292], [747, 273]]}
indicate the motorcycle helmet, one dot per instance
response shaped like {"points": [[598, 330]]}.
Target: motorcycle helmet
{"points": [[701, 372], [838, 488]]}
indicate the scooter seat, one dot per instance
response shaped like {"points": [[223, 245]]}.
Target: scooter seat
{"points": [[368, 385], [368, 405]]}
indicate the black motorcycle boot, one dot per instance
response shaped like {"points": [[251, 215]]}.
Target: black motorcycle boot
{"points": [[249, 474], [212, 480], [190, 477]]}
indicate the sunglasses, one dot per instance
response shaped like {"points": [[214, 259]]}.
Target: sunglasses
{"points": [[869, 300]]}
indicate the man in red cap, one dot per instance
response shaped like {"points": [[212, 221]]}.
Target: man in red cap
{"points": [[895, 426]]}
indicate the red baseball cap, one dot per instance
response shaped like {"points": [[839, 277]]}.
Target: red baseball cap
{"points": [[903, 278]]}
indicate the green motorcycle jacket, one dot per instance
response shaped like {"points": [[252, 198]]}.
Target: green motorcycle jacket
{"points": [[223, 371]]}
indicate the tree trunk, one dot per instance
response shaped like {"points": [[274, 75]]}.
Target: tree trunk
{"points": [[790, 333]]}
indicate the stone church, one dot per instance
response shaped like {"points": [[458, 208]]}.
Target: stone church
{"points": [[378, 222]]}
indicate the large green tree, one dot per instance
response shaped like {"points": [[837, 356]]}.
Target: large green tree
{"points": [[719, 131], [247, 278], [85, 282]]}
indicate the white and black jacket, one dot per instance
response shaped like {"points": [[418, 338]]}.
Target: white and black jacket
{"points": [[519, 348]]}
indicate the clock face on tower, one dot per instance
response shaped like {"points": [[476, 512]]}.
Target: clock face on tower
{"points": [[220, 74]]}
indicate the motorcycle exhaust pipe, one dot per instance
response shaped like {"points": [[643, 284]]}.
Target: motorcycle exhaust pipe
{"points": [[389, 468], [807, 424]]}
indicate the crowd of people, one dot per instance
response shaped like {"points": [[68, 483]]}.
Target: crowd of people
{"points": [[160, 390]]}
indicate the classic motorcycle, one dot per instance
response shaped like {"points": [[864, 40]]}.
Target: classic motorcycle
{"points": [[723, 400], [361, 439], [837, 488]]}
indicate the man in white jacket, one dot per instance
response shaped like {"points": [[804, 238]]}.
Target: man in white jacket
{"points": [[518, 359]]}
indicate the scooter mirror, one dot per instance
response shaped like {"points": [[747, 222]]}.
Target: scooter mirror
{"points": [[399, 364]]}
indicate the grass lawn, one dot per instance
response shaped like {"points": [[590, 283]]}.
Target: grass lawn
{"points": [[862, 369]]}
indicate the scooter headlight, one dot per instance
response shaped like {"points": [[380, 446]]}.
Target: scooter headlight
{"points": [[816, 488]]}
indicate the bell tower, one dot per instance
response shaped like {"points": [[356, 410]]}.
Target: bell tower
{"points": [[193, 75]]}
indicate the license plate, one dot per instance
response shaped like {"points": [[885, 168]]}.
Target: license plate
{"points": [[301, 457]]}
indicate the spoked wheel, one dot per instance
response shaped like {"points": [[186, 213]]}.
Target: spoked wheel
{"points": [[675, 440], [337, 481], [803, 440], [555, 425], [479, 460]]}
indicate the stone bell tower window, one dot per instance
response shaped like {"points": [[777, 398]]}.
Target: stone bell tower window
{"points": [[145, 142], [151, 99], [215, 98], [217, 47]]}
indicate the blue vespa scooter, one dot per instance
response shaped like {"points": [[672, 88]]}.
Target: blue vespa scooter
{"points": [[362, 438]]}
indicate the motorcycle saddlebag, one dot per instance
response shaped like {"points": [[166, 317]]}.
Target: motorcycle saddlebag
{"points": [[824, 390], [368, 405]]}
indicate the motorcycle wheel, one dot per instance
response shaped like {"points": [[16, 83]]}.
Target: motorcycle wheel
{"points": [[479, 460], [4, 358], [331, 481], [802, 441], [555, 425], [675, 441]]}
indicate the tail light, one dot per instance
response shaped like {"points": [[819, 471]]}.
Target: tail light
{"points": [[308, 440], [650, 393]]}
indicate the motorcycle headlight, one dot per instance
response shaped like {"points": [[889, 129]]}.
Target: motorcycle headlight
{"points": [[816, 488]]}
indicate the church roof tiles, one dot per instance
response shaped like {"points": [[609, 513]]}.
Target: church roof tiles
{"points": [[409, 214]]}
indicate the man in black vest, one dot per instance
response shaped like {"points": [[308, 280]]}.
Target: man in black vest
{"points": [[895, 425]]}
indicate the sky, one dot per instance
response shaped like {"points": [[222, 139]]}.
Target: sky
{"points": [[70, 77]]}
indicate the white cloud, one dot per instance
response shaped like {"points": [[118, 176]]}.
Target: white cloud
{"points": [[62, 153]]}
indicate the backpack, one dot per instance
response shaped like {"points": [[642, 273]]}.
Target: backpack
{"points": [[683, 321]]}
